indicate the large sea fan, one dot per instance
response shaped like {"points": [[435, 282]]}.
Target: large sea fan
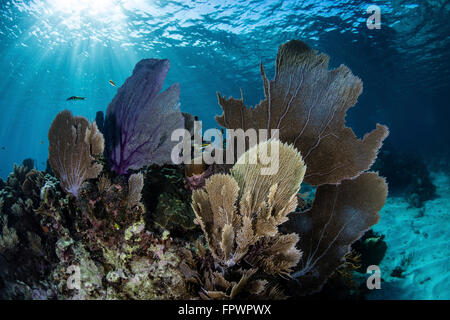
{"points": [[139, 120]]}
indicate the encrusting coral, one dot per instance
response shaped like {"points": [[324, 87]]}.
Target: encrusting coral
{"points": [[25, 250], [100, 236], [74, 146], [117, 256]]}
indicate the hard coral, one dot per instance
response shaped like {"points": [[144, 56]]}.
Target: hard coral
{"points": [[26, 251], [173, 213], [103, 235], [74, 146], [139, 120], [407, 174]]}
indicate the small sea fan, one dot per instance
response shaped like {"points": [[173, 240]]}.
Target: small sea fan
{"points": [[74, 146]]}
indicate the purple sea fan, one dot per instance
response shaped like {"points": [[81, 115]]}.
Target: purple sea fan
{"points": [[140, 120]]}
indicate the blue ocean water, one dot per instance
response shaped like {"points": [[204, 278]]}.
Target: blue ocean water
{"points": [[54, 49]]}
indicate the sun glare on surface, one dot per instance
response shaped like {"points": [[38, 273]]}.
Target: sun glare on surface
{"points": [[79, 14], [91, 7], [76, 13]]}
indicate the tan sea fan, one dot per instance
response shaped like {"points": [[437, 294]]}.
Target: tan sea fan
{"points": [[75, 145], [135, 185], [237, 211]]}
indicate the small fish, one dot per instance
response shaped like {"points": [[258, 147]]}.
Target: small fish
{"points": [[42, 141], [203, 146], [3, 148], [112, 83], [199, 147], [75, 98]]}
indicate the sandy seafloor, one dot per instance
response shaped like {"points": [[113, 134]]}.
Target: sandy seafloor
{"points": [[420, 235]]}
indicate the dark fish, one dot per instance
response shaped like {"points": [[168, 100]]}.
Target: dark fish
{"points": [[75, 98], [112, 83], [3, 148]]}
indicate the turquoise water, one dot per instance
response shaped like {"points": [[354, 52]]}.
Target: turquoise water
{"points": [[54, 49]]}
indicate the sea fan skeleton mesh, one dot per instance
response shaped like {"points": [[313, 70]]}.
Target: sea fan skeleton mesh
{"points": [[308, 104], [74, 146], [140, 119]]}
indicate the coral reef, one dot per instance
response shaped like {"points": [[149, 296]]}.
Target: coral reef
{"points": [[167, 200], [407, 174], [151, 230], [74, 146], [308, 104], [339, 216], [110, 247], [139, 120], [371, 249], [240, 214], [95, 246], [26, 251]]}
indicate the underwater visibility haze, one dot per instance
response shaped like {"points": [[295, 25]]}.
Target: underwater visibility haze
{"points": [[92, 91]]}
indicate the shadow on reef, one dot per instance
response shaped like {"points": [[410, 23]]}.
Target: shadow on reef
{"points": [[167, 200], [407, 175]]}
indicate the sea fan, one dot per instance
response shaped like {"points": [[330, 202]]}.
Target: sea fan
{"points": [[308, 104], [139, 120], [74, 146]]}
